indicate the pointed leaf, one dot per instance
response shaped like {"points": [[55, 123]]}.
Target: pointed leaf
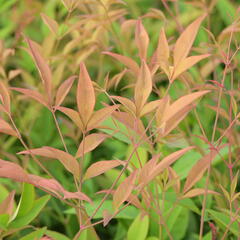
{"points": [[143, 87], [126, 103], [101, 167], [63, 90], [6, 206], [132, 65], [150, 106], [4, 97], [7, 129], [186, 63], [198, 170], [198, 191], [85, 95], [73, 115], [162, 52], [185, 41], [42, 66], [67, 160], [124, 190], [166, 162], [99, 116], [90, 143], [51, 23], [141, 39], [32, 94], [181, 103]]}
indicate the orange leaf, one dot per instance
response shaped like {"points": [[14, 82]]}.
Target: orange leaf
{"points": [[63, 90], [198, 170], [32, 94], [143, 87], [141, 39], [185, 41], [132, 65], [126, 103], [101, 167], [85, 95], [51, 23], [67, 160], [162, 52], [42, 66], [6, 206], [73, 115], [124, 190], [15, 172], [4, 97], [90, 143], [150, 106], [13, 73], [198, 191], [100, 115], [6, 128], [186, 63], [166, 162], [181, 103]]}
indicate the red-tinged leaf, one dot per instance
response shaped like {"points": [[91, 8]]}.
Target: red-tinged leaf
{"points": [[63, 90], [132, 123], [13, 73], [101, 167], [43, 68], [175, 179], [198, 191], [4, 97], [186, 63], [150, 106], [73, 115], [126, 103], [85, 95], [67, 160], [146, 170], [99, 116], [161, 111], [162, 52], [185, 41], [181, 103], [53, 186], [124, 190], [32, 94], [51, 23], [198, 170], [13, 171], [141, 39], [143, 87], [7, 129], [106, 217], [166, 162], [90, 143], [6, 206], [132, 65], [176, 119]]}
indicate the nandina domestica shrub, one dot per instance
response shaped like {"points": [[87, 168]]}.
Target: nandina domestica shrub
{"points": [[120, 127]]}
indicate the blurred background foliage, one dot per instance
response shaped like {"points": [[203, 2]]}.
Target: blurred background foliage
{"points": [[81, 31]]}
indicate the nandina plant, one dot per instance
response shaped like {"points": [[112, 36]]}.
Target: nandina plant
{"points": [[168, 162]]}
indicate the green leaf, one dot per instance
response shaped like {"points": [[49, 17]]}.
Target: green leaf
{"points": [[141, 153], [35, 235], [56, 235], [177, 223], [139, 228], [223, 221], [152, 238], [35, 210], [27, 199], [129, 212], [4, 218]]}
